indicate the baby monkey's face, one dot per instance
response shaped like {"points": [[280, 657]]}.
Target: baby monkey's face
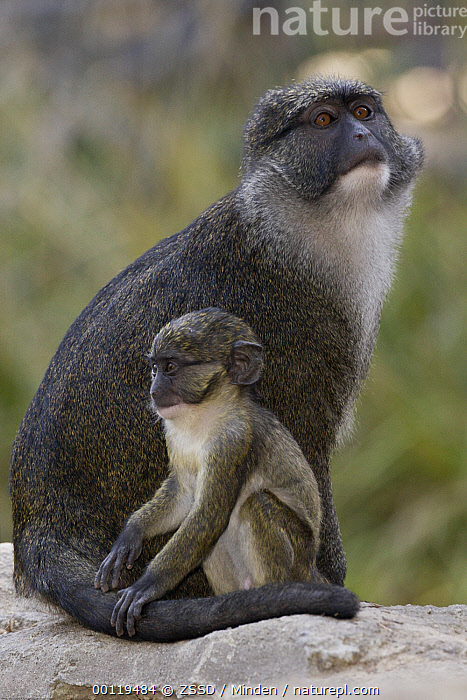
{"points": [[203, 358], [181, 381]]}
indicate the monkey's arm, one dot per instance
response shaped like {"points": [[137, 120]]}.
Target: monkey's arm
{"points": [[219, 488], [161, 514]]}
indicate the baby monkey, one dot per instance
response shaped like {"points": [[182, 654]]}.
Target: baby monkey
{"points": [[241, 497]]}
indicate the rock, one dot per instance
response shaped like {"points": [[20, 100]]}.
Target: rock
{"points": [[404, 651]]}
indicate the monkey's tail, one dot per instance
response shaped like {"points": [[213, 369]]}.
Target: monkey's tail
{"points": [[175, 620], [182, 619]]}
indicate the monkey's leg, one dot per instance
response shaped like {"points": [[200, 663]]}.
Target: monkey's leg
{"points": [[265, 542], [277, 546]]}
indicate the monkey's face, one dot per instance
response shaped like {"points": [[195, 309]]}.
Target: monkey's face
{"points": [[179, 380], [323, 133], [198, 355], [345, 142]]}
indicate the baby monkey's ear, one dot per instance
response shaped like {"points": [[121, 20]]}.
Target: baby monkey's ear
{"points": [[246, 362]]}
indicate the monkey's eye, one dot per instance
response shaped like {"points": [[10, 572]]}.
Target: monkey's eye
{"points": [[171, 368], [154, 368], [362, 112], [323, 119]]}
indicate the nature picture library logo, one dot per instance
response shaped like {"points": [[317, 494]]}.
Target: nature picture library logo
{"points": [[424, 19]]}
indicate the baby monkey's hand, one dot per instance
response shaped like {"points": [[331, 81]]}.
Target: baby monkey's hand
{"points": [[125, 551], [132, 599]]}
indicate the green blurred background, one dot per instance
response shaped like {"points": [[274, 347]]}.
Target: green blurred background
{"points": [[121, 120]]}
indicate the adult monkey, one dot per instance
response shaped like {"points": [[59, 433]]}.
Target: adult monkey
{"points": [[303, 249]]}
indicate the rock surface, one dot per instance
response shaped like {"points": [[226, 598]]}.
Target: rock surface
{"points": [[404, 651]]}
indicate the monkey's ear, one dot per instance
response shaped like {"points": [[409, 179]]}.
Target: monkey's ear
{"points": [[246, 362]]}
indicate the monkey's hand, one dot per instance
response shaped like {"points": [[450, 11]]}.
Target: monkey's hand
{"points": [[125, 551], [131, 602]]}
